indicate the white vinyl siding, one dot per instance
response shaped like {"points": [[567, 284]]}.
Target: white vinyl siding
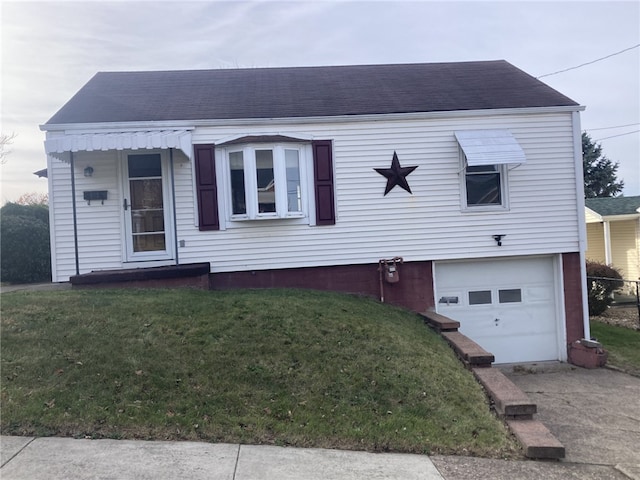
{"points": [[99, 226], [428, 225]]}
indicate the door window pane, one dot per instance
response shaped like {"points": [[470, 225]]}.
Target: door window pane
{"points": [[513, 295], [292, 164], [146, 194], [145, 166], [481, 297], [148, 243], [238, 198], [266, 181]]}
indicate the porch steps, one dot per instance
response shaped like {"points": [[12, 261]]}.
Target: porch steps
{"points": [[510, 403]]}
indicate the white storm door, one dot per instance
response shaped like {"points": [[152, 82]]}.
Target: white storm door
{"points": [[146, 208], [507, 306]]}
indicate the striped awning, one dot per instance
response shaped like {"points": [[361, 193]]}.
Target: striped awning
{"points": [[490, 147], [130, 140]]}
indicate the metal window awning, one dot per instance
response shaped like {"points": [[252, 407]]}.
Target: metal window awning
{"points": [[490, 147], [131, 140]]}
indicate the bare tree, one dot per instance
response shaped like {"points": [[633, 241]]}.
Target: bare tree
{"points": [[6, 139]]}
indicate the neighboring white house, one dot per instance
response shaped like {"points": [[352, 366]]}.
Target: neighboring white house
{"points": [[308, 177], [613, 235]]}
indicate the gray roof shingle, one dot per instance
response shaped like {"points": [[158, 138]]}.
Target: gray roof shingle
{"points": [[610, 206], [305, 92]]}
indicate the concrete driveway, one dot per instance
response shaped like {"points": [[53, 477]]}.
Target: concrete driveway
{"points": [[594, 413]]}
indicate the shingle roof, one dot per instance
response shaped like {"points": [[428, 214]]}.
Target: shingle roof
{"points": [[305, 92], [614, 206]]}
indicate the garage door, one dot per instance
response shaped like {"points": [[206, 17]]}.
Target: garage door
{"points": [[509, 306]]}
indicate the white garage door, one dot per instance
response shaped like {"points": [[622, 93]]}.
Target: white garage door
{"points": [[508, 306]]}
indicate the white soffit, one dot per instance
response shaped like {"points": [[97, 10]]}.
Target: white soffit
{"points": [[133, 140], [490, 147]]}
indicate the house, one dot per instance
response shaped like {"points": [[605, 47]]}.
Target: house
{"points": [[447, 187], [613, 234]]}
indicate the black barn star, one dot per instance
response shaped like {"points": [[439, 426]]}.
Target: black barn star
{"points": [[396, 175]]}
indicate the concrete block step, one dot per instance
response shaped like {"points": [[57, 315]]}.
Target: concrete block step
{"points": [[469, 351], [536, 439], [439, 322], [508, 399]]}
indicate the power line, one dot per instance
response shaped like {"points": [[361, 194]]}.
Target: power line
{"points": [[589, 63], [619, 135], [610, 128]]}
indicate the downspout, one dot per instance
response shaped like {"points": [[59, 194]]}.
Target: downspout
{"points": [[173, 200], [75, 216], [582, 223]]}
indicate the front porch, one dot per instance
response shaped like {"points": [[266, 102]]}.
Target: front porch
{"points": [[193, 275]]}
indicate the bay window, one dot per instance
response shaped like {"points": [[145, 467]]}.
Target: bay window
{"points": [[266, 181]]}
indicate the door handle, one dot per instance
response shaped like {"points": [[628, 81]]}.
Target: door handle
{"points": [[497, 320], [125, 205]]}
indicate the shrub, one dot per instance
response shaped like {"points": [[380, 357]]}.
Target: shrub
{"points": [[24, 244], [600, 290]]}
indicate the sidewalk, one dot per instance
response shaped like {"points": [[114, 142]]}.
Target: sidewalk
{"points": [[26, 458], [63, 458]]}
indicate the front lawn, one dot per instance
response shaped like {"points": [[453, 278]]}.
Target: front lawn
{"points": [[283, 367]]}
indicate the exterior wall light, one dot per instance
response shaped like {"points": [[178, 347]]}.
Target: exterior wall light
{"points": [[88, 172], [498, 238]]}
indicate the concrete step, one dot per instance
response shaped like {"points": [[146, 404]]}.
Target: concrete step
{"points": [[472, 354], [439, 322], [509, 400], [536, 439]]}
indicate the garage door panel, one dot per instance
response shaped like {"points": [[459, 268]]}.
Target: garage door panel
{"points": [[508, 306]]}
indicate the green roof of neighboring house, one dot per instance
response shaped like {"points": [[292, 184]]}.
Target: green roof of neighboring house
{"points": [[608, 207]]}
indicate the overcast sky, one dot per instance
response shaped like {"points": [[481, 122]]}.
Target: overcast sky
{"points": [[51, 49]]}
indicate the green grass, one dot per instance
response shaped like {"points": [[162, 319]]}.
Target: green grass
{"points": [[281, 367], [623, 345]]}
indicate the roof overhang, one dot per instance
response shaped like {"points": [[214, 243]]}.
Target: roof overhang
{"points": [[57, 146], [490, 147], [591, 216]]}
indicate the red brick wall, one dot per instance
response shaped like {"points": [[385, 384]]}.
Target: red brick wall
{"points": [[573, 296], [414, 290]]}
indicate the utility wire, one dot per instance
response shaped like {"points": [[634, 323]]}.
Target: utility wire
{"points": [[619, 135], [610, 128], [589, 63]]}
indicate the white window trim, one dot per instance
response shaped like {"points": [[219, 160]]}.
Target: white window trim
{"points": [[252, 218], [504, 189]]}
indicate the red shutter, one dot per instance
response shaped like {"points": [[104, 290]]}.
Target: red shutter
{"points": [[206, 187], [323, 178]]}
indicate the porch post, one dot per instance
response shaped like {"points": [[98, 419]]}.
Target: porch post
{"points": [[75, 217], [173, 199]]}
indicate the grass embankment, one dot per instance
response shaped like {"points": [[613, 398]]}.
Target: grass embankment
{"points": [[623, 345], [282, 367]]}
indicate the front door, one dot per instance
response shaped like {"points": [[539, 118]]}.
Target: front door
{"points": [[146, 208]]}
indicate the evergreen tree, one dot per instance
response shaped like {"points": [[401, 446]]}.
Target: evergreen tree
{"points": [[599, 172]]}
